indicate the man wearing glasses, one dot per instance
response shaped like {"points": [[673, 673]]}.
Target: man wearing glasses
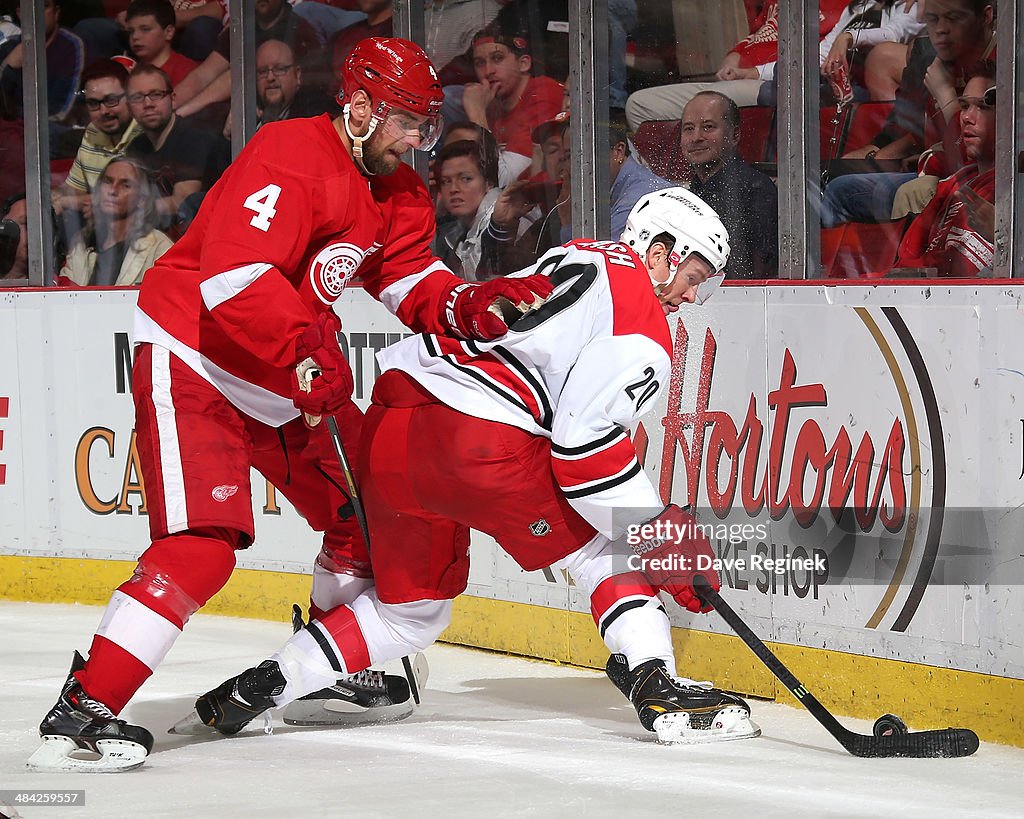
{"points": [[176, 155], [110, 129], [279, 90]]}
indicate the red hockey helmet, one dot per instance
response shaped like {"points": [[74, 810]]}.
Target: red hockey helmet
{"points": [[395, 73]]}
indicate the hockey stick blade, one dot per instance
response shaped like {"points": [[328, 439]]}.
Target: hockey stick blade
{"points": [[950, 742]]}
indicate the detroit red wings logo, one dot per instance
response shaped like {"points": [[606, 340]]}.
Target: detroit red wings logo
{"points": [[333, 268], [223, 492]]}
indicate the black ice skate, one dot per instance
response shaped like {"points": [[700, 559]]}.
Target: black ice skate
{"points": [[82, 734], [366, 698], [680, 710], [234, 703]]}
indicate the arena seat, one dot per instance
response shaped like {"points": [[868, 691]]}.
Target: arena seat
{"points": [[757, 122], [857, 250], [865, 122], [657, 142]]}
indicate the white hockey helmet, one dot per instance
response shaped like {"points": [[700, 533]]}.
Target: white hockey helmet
{"points": [[691, 222]]}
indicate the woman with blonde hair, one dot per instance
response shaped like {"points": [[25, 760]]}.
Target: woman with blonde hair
{"points": [[123, 241]]}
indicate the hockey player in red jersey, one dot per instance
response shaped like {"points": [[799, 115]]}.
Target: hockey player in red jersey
{"points": [[526, 438], [223, 320]]}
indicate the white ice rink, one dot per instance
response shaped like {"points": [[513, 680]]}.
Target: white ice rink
{"points": [[496, 736]]}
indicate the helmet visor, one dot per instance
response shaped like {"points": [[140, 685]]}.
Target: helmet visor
{"points": [[422, 132], [707, 288]]}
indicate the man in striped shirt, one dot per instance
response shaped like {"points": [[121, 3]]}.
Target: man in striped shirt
{"points": [[110, 129]]}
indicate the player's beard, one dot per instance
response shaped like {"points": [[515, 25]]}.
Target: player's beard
{"points": [[376, 158]]}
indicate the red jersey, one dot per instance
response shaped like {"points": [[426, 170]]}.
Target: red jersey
{"points": [[761, 46], [177, 67], [940, 235], [276, 240], [579, 370], [540, 102]]}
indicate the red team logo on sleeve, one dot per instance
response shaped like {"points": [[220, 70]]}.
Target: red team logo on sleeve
{"points": [[222, 493], [333, 267]]}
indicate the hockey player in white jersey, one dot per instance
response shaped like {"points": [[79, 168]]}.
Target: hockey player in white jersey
{"points": [[526, 438]]}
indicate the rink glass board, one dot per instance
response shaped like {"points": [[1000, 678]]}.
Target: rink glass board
{"points": [[917, 385]]}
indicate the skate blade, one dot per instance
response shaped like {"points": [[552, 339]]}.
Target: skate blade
{"points": [[730, 723], [110, 755], [191, 726], [420, 670], [342, 714]]}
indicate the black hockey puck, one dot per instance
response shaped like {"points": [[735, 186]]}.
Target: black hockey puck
{"points": [[889, 725]]}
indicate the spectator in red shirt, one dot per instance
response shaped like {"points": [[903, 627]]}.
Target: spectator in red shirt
{"points": [[507, 99], [210, 82], [950, 236], [150, 26]]}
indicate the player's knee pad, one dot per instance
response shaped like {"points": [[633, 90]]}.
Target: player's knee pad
{"points": [[179, 573]]}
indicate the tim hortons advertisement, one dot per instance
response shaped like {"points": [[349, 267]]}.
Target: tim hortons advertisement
{"points": [[855, 454]]}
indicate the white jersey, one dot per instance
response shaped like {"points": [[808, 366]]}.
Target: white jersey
{"points": [[580, 370]]}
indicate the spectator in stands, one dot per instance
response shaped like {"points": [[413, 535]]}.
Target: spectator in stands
{"points": [[198, 24], [65, 56], [507, 99], [451, 26], [546, 27], [744, 198], [948, 235], [466, 174], [550, 190], [278, 78], [508, 170], [547, 136], [199, 21], [176, 155], [864, 25], [14, 249], [739, 75], [328, 17], [150, 25], [110, 129], [629, 179], [210, 82], [921, 131], [377, 23], [124, 241]]}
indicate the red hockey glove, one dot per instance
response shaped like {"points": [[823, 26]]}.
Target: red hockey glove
{"points": [[323, 379], [672, 549], [485, 311]]}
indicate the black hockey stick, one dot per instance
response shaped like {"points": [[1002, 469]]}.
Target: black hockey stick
{"points": [[949, 742], [357, 506]]}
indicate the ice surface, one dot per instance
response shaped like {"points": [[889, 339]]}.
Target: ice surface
{"points": [[496, 736]]}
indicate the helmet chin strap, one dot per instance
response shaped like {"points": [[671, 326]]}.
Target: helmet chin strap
{"points": [[357, 141], [673, 269]]}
